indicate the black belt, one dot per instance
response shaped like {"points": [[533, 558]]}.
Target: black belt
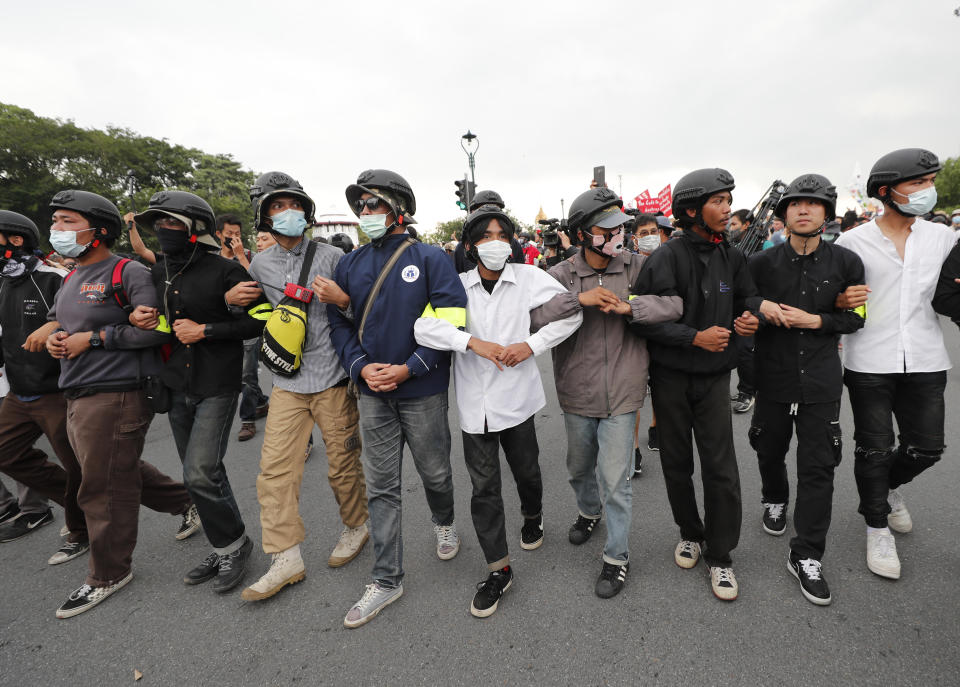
{"points": [[83, 391]]}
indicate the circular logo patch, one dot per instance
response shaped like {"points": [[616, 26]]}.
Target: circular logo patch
{"points": [[410, 273]]}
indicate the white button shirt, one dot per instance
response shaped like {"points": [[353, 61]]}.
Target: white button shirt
{"points": [[901, 332], [485, 395]]}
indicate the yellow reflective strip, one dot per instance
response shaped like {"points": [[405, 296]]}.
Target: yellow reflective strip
{"points": [[428, 311], [632, 296], [261, 311], [861, 311], [455, 316], [162, 325]]}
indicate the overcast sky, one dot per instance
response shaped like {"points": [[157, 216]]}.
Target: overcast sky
{"points": [[651, 90]]}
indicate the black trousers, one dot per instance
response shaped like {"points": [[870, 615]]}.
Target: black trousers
{"points": [[699, 403], [481, 452], [915, 399], [745, 369], [819, 450]]}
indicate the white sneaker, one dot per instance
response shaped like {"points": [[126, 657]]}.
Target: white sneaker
{"points": [[349, 545], [687, 554], [899, 519], [285, 568], [374, 600], [724, 583], [448, 541], [882, 556]]}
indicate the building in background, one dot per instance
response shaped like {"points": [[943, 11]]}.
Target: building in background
{"points": [[330, 224]]}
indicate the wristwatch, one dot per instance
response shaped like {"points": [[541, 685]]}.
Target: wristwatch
{"points": [[95, 340]]}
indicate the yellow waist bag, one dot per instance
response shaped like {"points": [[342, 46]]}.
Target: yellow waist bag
{"points": [[285, 333]]}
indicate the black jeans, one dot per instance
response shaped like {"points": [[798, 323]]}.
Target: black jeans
{"points": [[819, 450], [250, 395], [701, 403], [916, 400], [745, 369], [482, 456]]}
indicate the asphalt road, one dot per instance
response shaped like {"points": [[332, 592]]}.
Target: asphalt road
{"points": [[665, 628]]}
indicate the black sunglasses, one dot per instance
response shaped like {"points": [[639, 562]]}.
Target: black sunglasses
{"points": [[372, 203]]}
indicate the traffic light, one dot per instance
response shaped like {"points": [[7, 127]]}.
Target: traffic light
{"points": [[461, 185], [471, 192]]}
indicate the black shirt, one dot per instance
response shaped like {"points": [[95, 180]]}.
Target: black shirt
{"points": [[803, 365]]}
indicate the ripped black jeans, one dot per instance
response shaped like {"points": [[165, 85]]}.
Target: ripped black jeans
{"points": [[819, 450], [915, 399]]}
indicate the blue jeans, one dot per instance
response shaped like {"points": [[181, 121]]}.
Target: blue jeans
{"points": [[600, 457], [251, 396], [385, 426], [201, 429]]}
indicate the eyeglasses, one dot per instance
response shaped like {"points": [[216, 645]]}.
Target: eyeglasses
{"points": [[372, 203], [168, 223]]}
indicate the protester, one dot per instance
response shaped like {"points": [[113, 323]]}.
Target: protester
{"points": [[229, 234], [461, 260]]}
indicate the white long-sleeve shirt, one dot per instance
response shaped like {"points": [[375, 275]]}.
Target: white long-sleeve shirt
{"points": [[486, 396], [901, 332]]}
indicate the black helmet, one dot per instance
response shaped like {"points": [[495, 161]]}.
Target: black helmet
{"points": [[486, 198], [590, 203], [488, 212], [342, 241], [98, 211], [187, 207], [813, 186], [15, 224], [900, 165], [693, 189], [389, 187], [274, 184]]}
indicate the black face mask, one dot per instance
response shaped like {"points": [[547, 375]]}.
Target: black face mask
{"points": [[172, 242], [553, 260]]}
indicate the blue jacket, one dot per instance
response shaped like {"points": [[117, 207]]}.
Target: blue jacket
{"points": [[423, 283]]}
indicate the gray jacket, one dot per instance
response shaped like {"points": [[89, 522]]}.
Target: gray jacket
{"points": [[601, 370]]}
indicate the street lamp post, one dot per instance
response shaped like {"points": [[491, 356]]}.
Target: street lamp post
{"points": [[470, 144]]}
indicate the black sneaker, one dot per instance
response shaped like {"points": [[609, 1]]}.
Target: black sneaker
{"points": [[189, 523], [24, 524], [86, 597], [743, 403], [653, 441], [775, 518], [9, 513], [232, 568], [637, 462], [489, 592], [812, 584], [531, 534], [581, 530], [207, 570], [69, 551], [611, 580]]}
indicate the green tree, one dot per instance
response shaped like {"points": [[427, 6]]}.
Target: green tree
{"points": [[446, 231], [948, 185]]}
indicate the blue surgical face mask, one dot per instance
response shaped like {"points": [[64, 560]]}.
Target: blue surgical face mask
{"points": [[373, 226], [289, 223], [65, 243], [918, 203]]}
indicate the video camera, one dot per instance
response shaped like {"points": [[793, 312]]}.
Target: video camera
{"points": [[551, 229]]}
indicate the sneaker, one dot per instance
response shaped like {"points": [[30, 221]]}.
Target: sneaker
{"points": [[581, 530], [24, 524], [743, 403], [899, 519], [448, 541], [374, 600], [233, 567], [207, 570], [687, 553], [489, 592], [248, 430], [653, 441], [882, 556], [86, 597], [189, 524], [724, 583], [68, 552], [9, 513], [774, 518], [611, 580], [812, 584], [637, 462], [531, 534], [349, 545], [262, 410], [64, 531], [286, 568], [309, 451]]}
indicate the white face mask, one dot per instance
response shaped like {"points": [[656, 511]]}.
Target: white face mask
{"points": [[648, 244], [919, 203], [494, 254]]}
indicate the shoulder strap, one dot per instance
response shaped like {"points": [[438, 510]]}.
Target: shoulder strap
{"points": [[307, 262], [374, 292], [69, 274], [116, 284]]}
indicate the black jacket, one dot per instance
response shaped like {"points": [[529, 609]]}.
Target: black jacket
{"points": [[214, 365], [946, 299], [716, 287], [24, 303], [803, 365]]}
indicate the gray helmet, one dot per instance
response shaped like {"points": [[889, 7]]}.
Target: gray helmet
{"points": [[586, 209], [693, 189], [272, 184], [187, 207], [13, 223], [900, 165], [389, 187], [98, 211], [487, 212], [486, 198], [814, 186]]}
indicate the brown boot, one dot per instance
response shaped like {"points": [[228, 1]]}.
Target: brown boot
{"points": [[247, 431]]}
